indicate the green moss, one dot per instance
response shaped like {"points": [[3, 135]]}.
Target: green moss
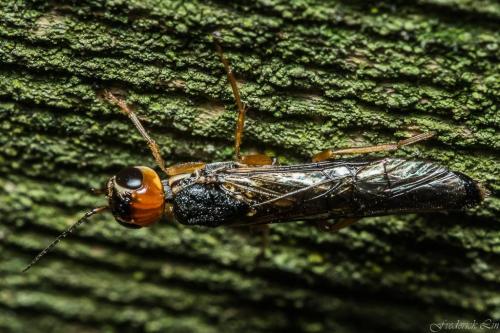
{"points": [[314, 74]]}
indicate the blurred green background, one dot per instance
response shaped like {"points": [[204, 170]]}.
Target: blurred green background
{"points": [[315, 74]]}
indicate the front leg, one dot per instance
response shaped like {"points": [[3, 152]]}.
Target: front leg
{"points": [[153, 146]]}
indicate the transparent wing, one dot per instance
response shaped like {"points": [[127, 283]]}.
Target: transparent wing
{"points": [[284, 186]]}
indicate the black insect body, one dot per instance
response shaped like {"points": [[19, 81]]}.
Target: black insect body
{"points": [[235, 194], [253, 190]]}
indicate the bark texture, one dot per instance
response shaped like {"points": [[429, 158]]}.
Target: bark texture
{"points": [[315, 74]]}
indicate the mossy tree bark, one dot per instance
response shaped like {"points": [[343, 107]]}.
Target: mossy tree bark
{"points": [[315, 74]]}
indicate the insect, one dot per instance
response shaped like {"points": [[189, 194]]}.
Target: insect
{"points": [[254, 190]]}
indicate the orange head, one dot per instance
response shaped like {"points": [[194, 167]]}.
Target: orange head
{"points": [[136, 197]]}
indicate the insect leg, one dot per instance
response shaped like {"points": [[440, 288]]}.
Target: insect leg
{"points": [[326, 226], [264, 245], [153, 146], [331, 154], [257, 159], [183, 168]]}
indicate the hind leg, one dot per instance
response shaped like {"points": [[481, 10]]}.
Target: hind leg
{"points": [[331, 154]]}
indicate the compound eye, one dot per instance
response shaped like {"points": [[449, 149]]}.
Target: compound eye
{"points": [[129, 178]]}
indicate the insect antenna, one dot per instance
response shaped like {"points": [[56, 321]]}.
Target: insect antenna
{"points": [[64, 234]]}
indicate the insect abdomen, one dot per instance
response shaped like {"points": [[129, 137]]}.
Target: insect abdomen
{"points": [[344, 188], [395, 185]]}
